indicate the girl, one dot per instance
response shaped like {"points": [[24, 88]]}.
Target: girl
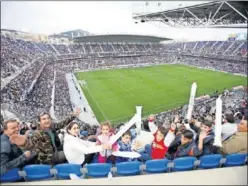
{"points": [[103, 139]]}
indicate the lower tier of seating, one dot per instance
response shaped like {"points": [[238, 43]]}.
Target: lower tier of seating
{"points": [[97, 170]]}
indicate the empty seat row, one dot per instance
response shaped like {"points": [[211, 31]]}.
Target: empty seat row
{"points": [[96, 170]]}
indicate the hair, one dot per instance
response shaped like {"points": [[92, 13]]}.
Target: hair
{"points": [[230, 118], [245, 116], [239, 116], [33, 126], [188, 134], [106, 123], [5, 124], [128, 133], [42, 114], [207, 123], [69, 127], [163, 131], [145, 125]]}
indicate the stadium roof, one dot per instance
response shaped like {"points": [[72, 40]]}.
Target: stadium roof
{"points": [[216, 14], [117, 38]]}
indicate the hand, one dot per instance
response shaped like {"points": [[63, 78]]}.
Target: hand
{"points": [[177, 119], [179, 125], [203, 135], [151, 118], [173, 126], [27, 154], [19, 140], [77, 111], [137, 145], [154, 145], [159, 146], [107, 147]]}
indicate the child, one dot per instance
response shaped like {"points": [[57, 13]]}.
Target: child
{"points": [[184, 145], [161, 142], [125, 145], [208, 147], [103, 139]]}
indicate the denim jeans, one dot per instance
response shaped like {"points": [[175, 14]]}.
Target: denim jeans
{"points": [[147, 154]]}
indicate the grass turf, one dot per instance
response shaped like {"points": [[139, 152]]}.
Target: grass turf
{"points": [[113, 94]]}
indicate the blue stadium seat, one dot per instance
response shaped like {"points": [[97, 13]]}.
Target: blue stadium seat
{"points": [[210, 161], [11, 176], [128, 168], [37, 172], [84, 133], [184, 164], [64, 170], [98, 170], [157, 166], [235, 160]]}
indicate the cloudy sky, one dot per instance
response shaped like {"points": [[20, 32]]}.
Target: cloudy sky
{"points": [[98, 17]]}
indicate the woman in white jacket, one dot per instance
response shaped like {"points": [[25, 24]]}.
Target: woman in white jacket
{"points": [[78, 151]]}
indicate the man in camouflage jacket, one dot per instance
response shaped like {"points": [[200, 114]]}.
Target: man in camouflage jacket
{"points": [[45, 142]]}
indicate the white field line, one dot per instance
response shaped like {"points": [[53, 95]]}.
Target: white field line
{"points": [[96, 103]]}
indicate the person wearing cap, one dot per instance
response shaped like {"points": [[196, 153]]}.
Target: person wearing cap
{"points": [[45, 141]]}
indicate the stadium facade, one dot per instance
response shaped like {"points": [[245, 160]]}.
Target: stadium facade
{"points": [[120, 38]]}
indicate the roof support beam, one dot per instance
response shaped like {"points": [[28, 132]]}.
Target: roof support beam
{"points": [[236, 10], [217, 11], [194, 15]]}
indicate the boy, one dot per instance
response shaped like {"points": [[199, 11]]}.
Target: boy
{"points": [[161, 141], [208, 147], [124, 145], [184, 145]]}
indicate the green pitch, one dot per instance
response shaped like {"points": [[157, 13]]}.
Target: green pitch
{"points": [[113, 94]]}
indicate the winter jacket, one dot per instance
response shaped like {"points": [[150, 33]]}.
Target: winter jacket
{"points": [[76, 148]]}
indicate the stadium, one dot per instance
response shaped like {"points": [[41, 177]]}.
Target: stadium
{"points": [[129, 83]]}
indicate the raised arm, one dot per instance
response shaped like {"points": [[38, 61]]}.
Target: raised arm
{"points": [[153, 128], [69, 119], [86, 147], [169, 138]]}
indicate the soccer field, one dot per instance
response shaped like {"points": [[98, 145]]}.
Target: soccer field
{"points": [[113, 94]]}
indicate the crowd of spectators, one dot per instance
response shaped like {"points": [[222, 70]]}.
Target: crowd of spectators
{"points": [[42, 87]]}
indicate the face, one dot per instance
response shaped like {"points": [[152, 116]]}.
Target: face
{"points": [[242, 126], [105, 130], [205, 128], [184, 140], [126, 139], [159, 136], [45, 121], [12, 128], [74, 130]]}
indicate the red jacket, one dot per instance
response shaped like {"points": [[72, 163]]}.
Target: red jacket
{"points": [[158, 153]]}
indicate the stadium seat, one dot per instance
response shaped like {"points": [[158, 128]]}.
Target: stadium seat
{"points": [[156, 166], [11, 176], [98, 170], [210, 161], [84, 133], [184, 164], [235, 160], [128, 168], [64, 170], [37, 172]]}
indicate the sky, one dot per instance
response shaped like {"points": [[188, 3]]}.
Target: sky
{"points": [[98, 17]]}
